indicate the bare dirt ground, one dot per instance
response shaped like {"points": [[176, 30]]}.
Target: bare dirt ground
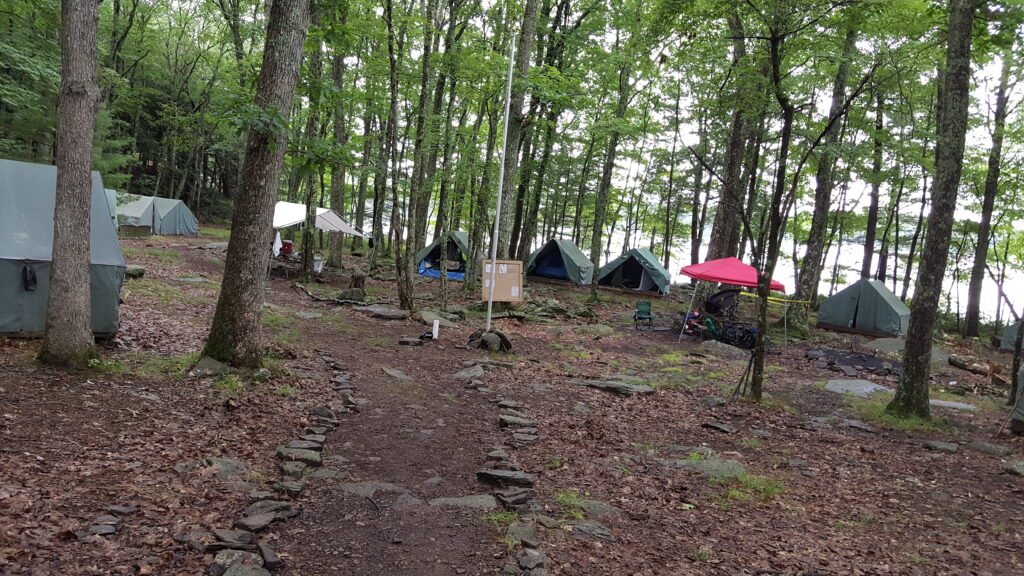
{"points": [[824, 488]]}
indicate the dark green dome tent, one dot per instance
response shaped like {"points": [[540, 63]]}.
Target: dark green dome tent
{"points": [[865, 306], [428, 260], [561, 260], [637, 269], [27, 196]]}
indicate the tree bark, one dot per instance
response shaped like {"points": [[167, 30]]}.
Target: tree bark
{"points": [[810, 268], [235, 336], [995, 158], [911, 397], [337, 246], [876, 184], [68, 339], [516, 121]]}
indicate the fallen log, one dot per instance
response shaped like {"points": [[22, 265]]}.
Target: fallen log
{"points": [[967, 363], [316, 298]]}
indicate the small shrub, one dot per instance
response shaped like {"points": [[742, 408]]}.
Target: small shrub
{"points": [[108, 366], [229, 383], [502, 520]]}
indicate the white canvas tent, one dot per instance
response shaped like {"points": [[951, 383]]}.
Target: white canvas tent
{"points": [[288, 214], [154, 215]]}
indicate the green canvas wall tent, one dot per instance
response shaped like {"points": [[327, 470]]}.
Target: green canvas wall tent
{"points": [[428, 260], [865, 306], [27, 196], [637, 269], [560, 260], [1009, 337], [156, 215]]}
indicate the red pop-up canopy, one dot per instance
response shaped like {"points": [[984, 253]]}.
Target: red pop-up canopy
{"points": [[728, 271]]}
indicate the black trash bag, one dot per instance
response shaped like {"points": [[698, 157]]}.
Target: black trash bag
{"points": [[28, 278]]}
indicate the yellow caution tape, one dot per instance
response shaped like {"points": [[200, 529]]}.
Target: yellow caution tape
{"points": [[775, 299]]}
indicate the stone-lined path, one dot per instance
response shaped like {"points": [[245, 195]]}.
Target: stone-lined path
{"points": [[406, 499]]}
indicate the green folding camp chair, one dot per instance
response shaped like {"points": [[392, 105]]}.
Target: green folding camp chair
{"points": [[643, 314]]}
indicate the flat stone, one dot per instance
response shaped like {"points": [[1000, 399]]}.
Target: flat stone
{"points": [[226, 559], [323, 474], [428, 317], [215, 246], [987, 448], [318, 438], [524, 533], [319, 430], [241, 537], [209, 368], [245, 570], [385, 312], [531, 558], [309, 315], [307, 457], [524, 439], [712, 400], [293, 469], [468, 374], [599, 330], [954, 405], [946, 447], [107, 519], [848, 370], [722, 350], [122, 510], [488, 363], [305, 445], [395, 373], [623, 388], [508, 420], [356, 294], [760, 433], [97, 530], [720, 427], [257, 522], [796, 463], [594, 529], [322, 411], [497, 455], [270, 558], [711, 468], [1014, 468], [134, 271], [368, 489], [507, 477], [289, 487], [409, 341], [261, 495], [266, 506], [481, 501], [515, 496], [510, 404], [598, 508], [858, 388]]}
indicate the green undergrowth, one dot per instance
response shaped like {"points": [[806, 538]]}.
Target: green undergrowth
{"points": [[873, 411], [572, 504], [160, 291], [219, 233], [749, 488], [168, 256], [151, 366], [502, 520]]}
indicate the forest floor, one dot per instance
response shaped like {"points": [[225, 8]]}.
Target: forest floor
{"points": [[808, 482]]}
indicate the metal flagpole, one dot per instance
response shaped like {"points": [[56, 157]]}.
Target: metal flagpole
{"points": [[501, 183]]}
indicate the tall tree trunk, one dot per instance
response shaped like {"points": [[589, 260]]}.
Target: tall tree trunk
{"points": [[912, 392], [68, 339], [810, 268], [995, 158], [605, 185], [419, 197], [235, 336], [876, 184], [315, 68], [516, 121], [334, 257]]}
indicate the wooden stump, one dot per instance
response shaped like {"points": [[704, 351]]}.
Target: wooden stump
{"points": [[358, 281]]}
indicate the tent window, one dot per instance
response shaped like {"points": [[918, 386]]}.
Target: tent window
{"points": [[29, 281]]}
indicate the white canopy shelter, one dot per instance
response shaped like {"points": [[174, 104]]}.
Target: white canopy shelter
{"points": [[290, 213]]}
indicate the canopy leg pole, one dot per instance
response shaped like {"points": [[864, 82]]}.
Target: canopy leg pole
{"points": [[688, 310]]}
